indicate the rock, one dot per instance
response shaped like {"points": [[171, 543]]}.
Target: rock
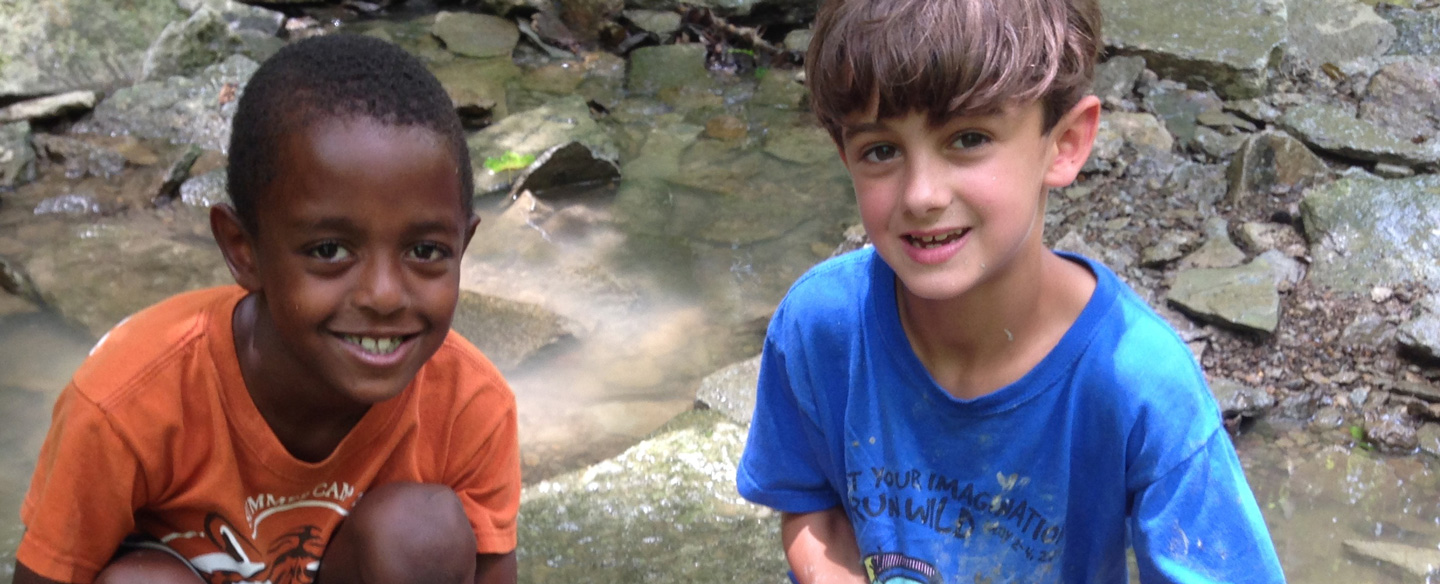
{"points": [[1334, 130], [1367, 331], [1237, 399], [1429, 437], [1421, 334], [1170, 247], [781, 11], [1258, 110], [1336, 31], [1365, 233], [1416, 32], [53, 46], [109, 270], [1387, 170], [477, 86], [1226, 45], [571, 164], [665, 510], [17, 156], [1404, 98], [662, 23], [654, 69], [1223, 121], [1391, 429], [780, 89], [506, 331], [731, 391], [508, 7], [1244, 298], [1181, 109], [1216, 145], [1217, 251], [1143, 132], [476, 35], [52, 106], [185, 47], [1115, 78], [1272, 164], [1262, 237], [726, 127], [1416, 561], [798, 40], [533, 132], [205, 190], [1287, 271], [802, 145], [178, 109], [240, 17], [82, 157]]}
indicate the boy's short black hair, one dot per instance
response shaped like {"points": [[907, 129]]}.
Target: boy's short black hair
{"points": [[342, 76]]}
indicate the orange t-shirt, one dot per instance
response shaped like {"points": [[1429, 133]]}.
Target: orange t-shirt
{"points": [[157, 434]]}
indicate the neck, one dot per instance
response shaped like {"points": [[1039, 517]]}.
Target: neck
{"points": [[996, 332], [287, 396]]}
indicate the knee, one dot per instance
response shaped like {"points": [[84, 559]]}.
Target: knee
{"points": [[410, 532]]}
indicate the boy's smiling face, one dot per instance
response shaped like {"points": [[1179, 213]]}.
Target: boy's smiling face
{"points": [[356, 263], [950, 206]]}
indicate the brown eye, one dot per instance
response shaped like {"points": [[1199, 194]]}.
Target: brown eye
{"points": [[329, 251], [968, 140], [428, 252], [880, 153]]}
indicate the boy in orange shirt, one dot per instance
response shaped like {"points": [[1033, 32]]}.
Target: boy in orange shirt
{"points": [[229, 435]]}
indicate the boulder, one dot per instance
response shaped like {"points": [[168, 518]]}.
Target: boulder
{"points": [[731, 391], [571, 164], [476, 35], [1336, 31], [179, 109], [17, 156], [1337, 131], [1272, 163], [1365, 232], [1416, 32], [51, 106], [665, 510], [52, 46], [1115, 78], [1225, 45]]}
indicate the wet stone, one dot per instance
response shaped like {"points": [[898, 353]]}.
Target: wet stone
{"points": [[654, 69], [662, 23], [1391, 429], [1415, 561], [780, 89], [63, 45], [476, 35], [507, 331], [81, 157], [1236, 398], [726, 128], [803, 145], [533, 132], [1365, 233], [205, 190], [572, 164], [1429, 437], [731, 391]]}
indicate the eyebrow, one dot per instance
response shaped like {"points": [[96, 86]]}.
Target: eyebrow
{"points": [[344, 225], [847, 130]]}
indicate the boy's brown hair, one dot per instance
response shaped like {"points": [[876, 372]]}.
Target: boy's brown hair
{"points": [[950, 57]]}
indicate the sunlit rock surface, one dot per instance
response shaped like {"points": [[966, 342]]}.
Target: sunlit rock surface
{"points": [[51, 46], [664, 511], [1225, 45], [1365, 233]]}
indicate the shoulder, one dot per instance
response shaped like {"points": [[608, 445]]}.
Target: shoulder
{"points": [[154, 342], [459, 373], [832, 293]]}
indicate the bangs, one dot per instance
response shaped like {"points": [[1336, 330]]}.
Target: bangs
{"points": [[947, 58]]}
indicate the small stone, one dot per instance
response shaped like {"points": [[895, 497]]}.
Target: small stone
{"points": [[726, 128], [1380, 294]]}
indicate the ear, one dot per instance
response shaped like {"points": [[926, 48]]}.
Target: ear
{"points": [[1074, 135], [470, 232], [236, 245]]}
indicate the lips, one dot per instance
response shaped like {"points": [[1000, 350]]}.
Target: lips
{"points": [[375, 345], [935, 240]]}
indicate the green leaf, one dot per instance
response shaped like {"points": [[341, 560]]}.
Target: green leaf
{"points": [[509, 161]]}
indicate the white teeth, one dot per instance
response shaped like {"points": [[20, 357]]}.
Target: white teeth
{"points": [[376, 345], [933, 241]]}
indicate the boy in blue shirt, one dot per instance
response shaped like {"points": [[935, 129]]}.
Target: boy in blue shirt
{"points": [[961, 404]]}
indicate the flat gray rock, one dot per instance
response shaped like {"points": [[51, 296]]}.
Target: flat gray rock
{"points": [[52, 46], [663, 511], [507, 331], [1336, 31], [655, 69], [17, 156], [179, 109], [48, 107], [1226, 45], [1244, 297], [731, 391], [1272, 163], [187, 46], [1416, 561], [1236, 398], [476, 35], [1336, 131], [532, 133], [1404, 97], [1365, 233], [1421, 334]]}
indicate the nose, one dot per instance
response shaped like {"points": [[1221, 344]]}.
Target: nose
{"points": [[382, 288], [925, 187]]}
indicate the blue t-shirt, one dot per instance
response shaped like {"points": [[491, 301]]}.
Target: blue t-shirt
{"points": [[1113, 438]]}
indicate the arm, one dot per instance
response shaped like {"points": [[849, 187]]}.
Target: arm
{"points": [[821, 547], [24, 575], [496, 568]]}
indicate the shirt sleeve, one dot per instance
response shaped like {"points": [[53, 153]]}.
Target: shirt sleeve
{"points": [[83, 495], [1199, 523], [784, 463], [485, 469]]}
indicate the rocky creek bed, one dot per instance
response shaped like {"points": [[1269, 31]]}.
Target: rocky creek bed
{"points": [[1264, 176]]}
